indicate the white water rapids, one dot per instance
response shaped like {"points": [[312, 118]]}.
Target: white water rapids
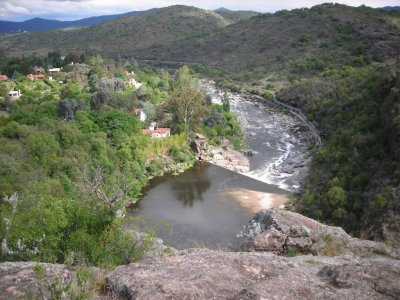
{"points": [[280, 154]]}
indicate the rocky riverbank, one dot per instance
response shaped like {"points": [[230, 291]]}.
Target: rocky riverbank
{"points": [[285, 256], [280, 142], [226, 157]]}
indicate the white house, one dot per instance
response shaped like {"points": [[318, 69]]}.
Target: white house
{"points": [[14, 95], [55, 70]]}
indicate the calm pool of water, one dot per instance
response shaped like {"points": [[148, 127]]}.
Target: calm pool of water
{"points": [[204, 206]]}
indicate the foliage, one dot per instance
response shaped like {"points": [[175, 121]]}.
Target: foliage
{"points": [[354, 108], [186, 103], [67, 108], [223, 124]]}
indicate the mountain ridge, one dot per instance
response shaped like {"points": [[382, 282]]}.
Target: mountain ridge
{"points": [[41, 24]]}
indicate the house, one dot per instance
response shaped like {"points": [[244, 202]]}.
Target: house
{"points": [[38, 70], [36, 76], [140, 114], [3, 77], [14, 95], [157, 133], [55, 70]]}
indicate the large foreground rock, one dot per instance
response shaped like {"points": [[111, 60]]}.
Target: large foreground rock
{"points": [[207, 274], [341, 267]]}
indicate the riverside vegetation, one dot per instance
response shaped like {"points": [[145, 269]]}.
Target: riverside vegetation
{"points": [[73, 155]]}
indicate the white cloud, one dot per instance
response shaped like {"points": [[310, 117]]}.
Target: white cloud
{"points": [[76, 9]]}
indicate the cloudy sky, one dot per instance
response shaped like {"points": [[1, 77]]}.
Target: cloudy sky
{"points": [[20, 10]]}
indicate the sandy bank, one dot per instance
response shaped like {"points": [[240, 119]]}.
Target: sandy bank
{"points": [[255, 201], [225, 157]]}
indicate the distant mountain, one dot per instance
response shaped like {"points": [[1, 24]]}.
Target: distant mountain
{"points": [[39, 24], [330, 34], [121, 37], [391, 8], [222, 9]]}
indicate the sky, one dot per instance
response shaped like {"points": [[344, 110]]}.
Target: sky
{"points": [[20, 10]]}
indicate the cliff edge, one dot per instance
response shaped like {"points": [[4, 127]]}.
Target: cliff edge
{"points": [[285, 256]]}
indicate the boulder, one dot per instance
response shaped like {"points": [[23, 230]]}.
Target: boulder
{"points": [[195, 146], [282, 231]]}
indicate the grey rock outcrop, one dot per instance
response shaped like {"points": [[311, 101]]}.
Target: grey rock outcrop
{"points": [[208, 274], [282, 231], [341, 268], [30, 280]]}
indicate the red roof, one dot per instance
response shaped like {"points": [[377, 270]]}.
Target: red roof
{"points": [[38, 76], [3, 77], [158, 130]]}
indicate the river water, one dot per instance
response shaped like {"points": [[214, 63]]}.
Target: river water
{"points": [[208, 205]]}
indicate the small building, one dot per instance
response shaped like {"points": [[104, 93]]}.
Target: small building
{"points": [[36, 76], [3, 77], [38, 70], [157, 133], [55, 70], [140, 114], [14, 95]]}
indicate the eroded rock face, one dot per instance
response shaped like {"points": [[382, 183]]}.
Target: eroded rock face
{"points": [[281, 231], [30, 280], [208, 274]]}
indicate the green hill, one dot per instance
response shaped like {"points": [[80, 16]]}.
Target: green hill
{"points": [[291, 42], [123, 36], [339, 64]]}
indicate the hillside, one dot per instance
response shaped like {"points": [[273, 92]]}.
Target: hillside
{"points": [[303, 39], [39, 24], [235, 16], [339, 64], [122, 37]]}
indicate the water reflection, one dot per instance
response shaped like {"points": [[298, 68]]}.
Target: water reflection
{"points": [[192, 186], [206, 205]]}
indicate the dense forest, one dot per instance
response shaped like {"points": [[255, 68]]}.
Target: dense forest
{"points": [[73, 155]]}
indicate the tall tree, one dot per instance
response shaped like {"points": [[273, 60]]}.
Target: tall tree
{"points": [[187, 102]]}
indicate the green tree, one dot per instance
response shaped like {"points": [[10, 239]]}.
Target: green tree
{"points": [[187, 102]]}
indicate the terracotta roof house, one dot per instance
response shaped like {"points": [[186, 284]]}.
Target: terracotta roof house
{"points": [[36, 76], [3, 77], [158, 133]]}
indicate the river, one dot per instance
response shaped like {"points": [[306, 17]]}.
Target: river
{"points": [[208, 205]]}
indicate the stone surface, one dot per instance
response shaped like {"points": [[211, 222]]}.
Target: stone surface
{"points": [[342, 268], [208, 274], [25, 280], [280, 231]]}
